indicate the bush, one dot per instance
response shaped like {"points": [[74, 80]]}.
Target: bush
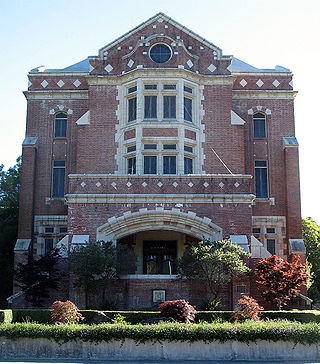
{"points": [[5, 316], [250, 310], [179, 310], [65, 313], [42, 316]]}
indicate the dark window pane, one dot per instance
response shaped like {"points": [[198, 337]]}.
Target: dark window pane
{"points": [[169, 107], [60, 125], [132, 165], [132, 109], [271, 246], [150, 87], [150, 164], [169, 165], [160, 53], [188, 89], [63, 230], [169, 87], [132, 89], [260, 163], [159, 257], [256, 230], [271, 230], [48, 245], [49, 230], [259, 126], [58, 176], [132, 148], [150, 107], [169, 146], [261, 180], [150, 146], [187, 148], [188, 165], [187, 109]]}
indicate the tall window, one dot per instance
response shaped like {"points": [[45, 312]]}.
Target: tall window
{"points": [[132, 109], [150, 107], [60, 125], [261, 179], [169, 164], [169, 107], [150, 164], [58, 177], [159, 257], [188, 165], [271, 246], [259, 125], [132, 165], [187, 109]]}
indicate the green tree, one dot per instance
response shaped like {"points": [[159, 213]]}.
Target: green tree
{"points": [[96, 264], [216, 263], [311, 237], [9, 211]]}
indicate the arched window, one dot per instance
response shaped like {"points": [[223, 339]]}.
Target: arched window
{"points": [[259, 125], [60, 125]]}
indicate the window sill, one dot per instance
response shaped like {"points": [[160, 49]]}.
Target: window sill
{"points": [[149, 276]]}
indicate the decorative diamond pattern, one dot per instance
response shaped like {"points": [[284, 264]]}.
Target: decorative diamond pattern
{"points": [[237, 184], [291, 83], [160, 184], [98, 184], [243, 82], [276, 83], [212, 67], [189, 63], [221, 184], [206, 184], [44, 83], [259, 83], [129, 184], [60, 83], [29, 83], [130, 63], [51, 112], [82, 184], [108, 68], [77, 83], [114, 185], [144, 184], [69, 112], [190, 184], [175, 184]]}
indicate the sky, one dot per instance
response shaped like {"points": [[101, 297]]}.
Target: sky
{"points": [[58, 33]]}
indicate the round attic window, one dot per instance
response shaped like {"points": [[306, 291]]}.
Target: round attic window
{"points": [[160, 53]]}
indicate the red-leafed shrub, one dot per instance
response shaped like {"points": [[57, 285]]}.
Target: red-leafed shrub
{"points": [[65, 312], [249, 309], [179, 310]]}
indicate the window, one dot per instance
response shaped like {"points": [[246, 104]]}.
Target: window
{"points": [[63, 230], [48, 245], [131, 148], [150, 164], [187, 109], [49, 230], [60, 125], [271, 230], [256, 231], [132, 89], [188, 165], [187, 148], [150, 146], [160, 53], [150, 107], [169, 164], [241, 288], [159, 257], [150, 87], [132, 109], [58, 176], [271, 246], [261, 179], [259, 125], [169, 87], [132, 165], [187, 89], [169, 146], [169, 107]]}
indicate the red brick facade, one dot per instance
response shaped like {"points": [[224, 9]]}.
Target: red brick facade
{"points": [[211, 174]]}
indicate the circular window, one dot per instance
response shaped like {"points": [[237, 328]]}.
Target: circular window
{"points": [[160, 53]]}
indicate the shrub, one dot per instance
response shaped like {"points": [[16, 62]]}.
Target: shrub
{"points": [[179, 310], [42, 316], [5, 316], [250, 309], [210, 305], [65, 312]]}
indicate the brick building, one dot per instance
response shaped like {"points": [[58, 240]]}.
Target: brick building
{"points": [[159, 141]]}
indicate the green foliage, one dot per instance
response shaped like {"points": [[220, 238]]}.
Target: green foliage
{"points": [[249, 331], [215, 263], [38, 276], [9, 203], [279, 279], [120, 319], [5, 316], [311, 237], [65, 313], [41, 316]]}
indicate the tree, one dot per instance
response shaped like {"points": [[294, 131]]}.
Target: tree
{"points": [[96, 264], [216, 263], [279, 279], [37, 277], [311, 237], [9, 210]]}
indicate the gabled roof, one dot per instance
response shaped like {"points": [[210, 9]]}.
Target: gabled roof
{"points": [[169, 20]]}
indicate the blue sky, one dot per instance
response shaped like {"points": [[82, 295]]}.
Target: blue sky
{"points": [[262, 33]]}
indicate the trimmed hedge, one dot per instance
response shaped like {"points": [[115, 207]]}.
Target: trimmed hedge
{"points": [[5, 316], [135, 317], [249, 331]]}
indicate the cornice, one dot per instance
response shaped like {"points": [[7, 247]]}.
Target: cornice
{"points": [[56, 94], [263, 94], [132, 176]]}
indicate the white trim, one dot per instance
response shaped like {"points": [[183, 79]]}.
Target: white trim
{"points": [[57, 94], [263, 94], [96, 175], [262, 73], [149, 276]]}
